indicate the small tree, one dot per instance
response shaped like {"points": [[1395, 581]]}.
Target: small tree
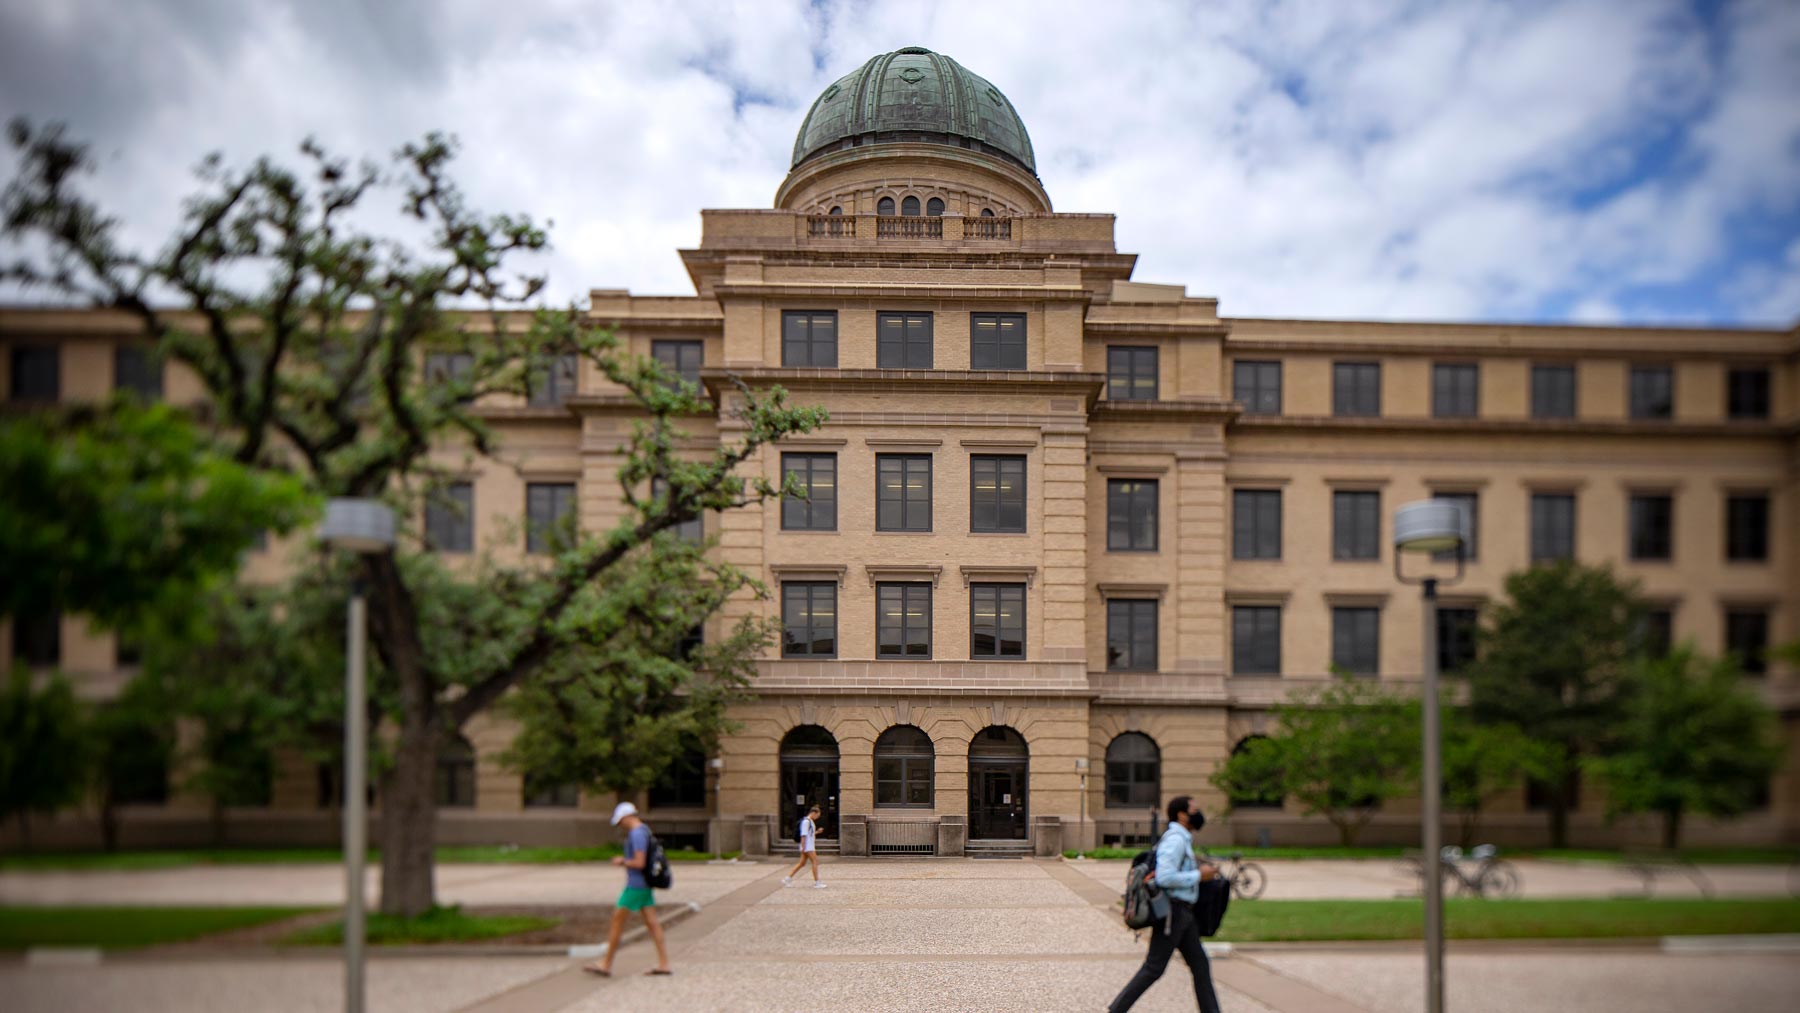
{"points": [[44, 750], [133, 738], [1695, 740], [1340, 753], [1553, 663], [1481, 761]]}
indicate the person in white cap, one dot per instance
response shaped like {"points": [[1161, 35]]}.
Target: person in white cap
{"points": [[636, 895]]}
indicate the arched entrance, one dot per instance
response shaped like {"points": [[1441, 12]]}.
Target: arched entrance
{"points": [[809, 777], [998, 811]]}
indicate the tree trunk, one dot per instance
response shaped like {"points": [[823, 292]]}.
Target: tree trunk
{"points": [[109, 825], [24, 830], [1559, 820], [1672, 828], [215, 820], [409, 823], [1471, 819]]}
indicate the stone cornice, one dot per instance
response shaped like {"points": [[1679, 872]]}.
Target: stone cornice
{"points": [[1519, 427], [822, 291]]}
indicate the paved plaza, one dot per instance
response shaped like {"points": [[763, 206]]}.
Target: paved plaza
{"points": [[935, 934]]}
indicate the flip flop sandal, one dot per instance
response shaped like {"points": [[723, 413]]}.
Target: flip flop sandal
{"points": [[655, 971], [596, 972]]}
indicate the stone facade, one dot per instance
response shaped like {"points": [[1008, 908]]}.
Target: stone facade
{"points": [[1194, 440]]}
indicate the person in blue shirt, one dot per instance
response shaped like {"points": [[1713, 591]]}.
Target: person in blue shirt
{"points": [[1178, 876], [636, 896]]}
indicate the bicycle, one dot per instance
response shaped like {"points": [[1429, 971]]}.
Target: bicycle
{"points": [[1493, 876], [1247, 878]]}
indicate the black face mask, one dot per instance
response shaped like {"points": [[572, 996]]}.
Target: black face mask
{"points": [[1196, 819]]}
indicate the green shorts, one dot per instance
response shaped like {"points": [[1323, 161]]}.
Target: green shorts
{"points": [[636, 898]]}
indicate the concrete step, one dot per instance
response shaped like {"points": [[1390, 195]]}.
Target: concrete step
{"points": [[998, 849]]}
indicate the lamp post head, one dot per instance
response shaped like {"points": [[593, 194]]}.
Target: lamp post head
{"points": [[1430, 525], [358, 525], [716, 763]]}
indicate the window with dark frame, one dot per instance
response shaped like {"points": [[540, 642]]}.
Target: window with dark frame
{"points": [[1471, 507], [885, 207], [1747, 527], [549, 516], [817, 475], [909, 207], [1656, 632], [904, 762], [450, 518], [543, 793], [1256, 524], [683, 358], [137, 369], [1133, 772], [996, 341], [934, 208], [996, 620], [903, 492], [36, 373], [809, 339], [454, 783], [903, 620], [1131, 373], [1455, 390], [1356, 389], [1456, 628], [1539, 796], [1356, 639], [1747, 393], [996, 492], [809, 619], [1131, 514], [1131, 634], [552, 382], [682, 784], [1355, 524], [1553, 392], [1258, 385], [1652, 392], [1552, 526], [37, 638], [1652, 526], [1256, 640], [1747, 639], [903, 340], [446, 367], [692, 531]]}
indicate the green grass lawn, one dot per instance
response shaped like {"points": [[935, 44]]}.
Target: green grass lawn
{"points": [[115, 927], [131, 861], [440, 925], [1281, 920], [1703, 856]]}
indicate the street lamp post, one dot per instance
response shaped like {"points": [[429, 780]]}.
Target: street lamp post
{"points": [[717, 764], [1081, 765], [1431, 526], [363, 526]]}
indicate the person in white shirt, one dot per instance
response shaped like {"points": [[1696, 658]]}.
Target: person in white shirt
{"points": [[808, 834]]}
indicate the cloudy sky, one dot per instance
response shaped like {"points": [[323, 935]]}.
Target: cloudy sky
{"points": [[1588, 160]]}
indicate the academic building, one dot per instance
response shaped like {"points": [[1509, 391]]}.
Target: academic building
{"points": [[1069, 536]]}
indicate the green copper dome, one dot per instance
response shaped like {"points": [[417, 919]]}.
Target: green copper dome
{"points": [[914, 94]]}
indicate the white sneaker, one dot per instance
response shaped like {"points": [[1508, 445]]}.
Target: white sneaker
{"points": [[787, 881], [819, 886]]}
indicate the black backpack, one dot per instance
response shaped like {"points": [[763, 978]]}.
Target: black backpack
{"points": [[656, 866]]}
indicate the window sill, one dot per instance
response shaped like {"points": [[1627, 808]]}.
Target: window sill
{"points": [[879, 531], [810, 531], [1014, 534]]}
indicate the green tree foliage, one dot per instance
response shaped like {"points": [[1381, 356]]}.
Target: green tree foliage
{"points": [[1482, 761], [1340, 752], [44, 751], [133, 739], [1695, 739], [1554, 662], [310, 334]]}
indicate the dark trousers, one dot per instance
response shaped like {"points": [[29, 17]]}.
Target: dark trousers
{"points": [[1184, 935]]}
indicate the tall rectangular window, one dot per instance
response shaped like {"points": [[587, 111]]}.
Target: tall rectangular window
{"points": [[817, 476], [136, 368], [1656, 632], [682, 784], [996, 620], [1131, 635], [1747, 639], [450, 518], [1747, 393], [903, 620], [683, 358], [996, 341], [1552, 526], [1652, 392], [996, 492], [1256, 640], [37, 638], [903, 492], [903, 340], [552, 381], [1131, 511], [809, 338], [1356, 639], [1471, 508], [447, 367], [1553, 392], [1455, 638], [1356, 525], [549, 516], [692, 531], [1747, 527], [1652, 527], [1131, 373], [1455, 390], [1256, 524], [1258, 386], [36, 373], [809, 619], [1356, 389]]}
